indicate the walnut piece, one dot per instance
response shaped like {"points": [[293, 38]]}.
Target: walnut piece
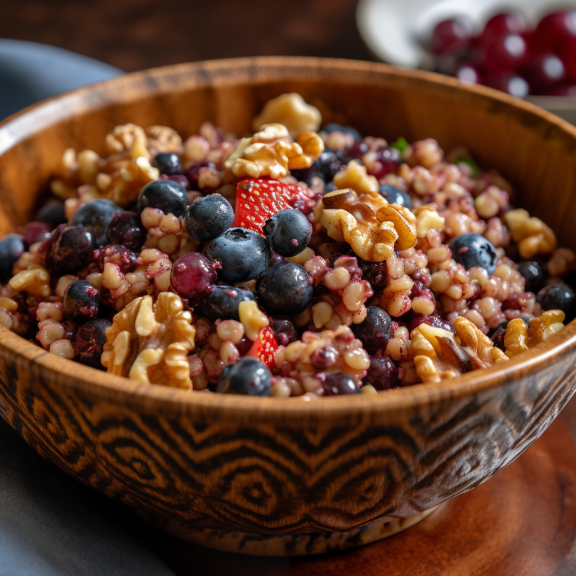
{"points": [[271, 152], [533, 236], [427, 218], [356, 176], [291, 111], [519, 337], [164, 139], [150, 341], [123, 138], [480, 348], [34, 280]]}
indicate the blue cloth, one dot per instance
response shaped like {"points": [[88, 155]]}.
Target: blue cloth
{"points": [[51, 525]]}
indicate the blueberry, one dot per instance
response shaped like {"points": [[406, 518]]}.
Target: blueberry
{"points": [[328, 164], [558, 297], [168, 163], [284, 330], [71, 248], [248, 376], [52, 213], [11, 248], [374, 330], [243, 254], [127, 229], [90, 340], [81, 301], [288, 232], [208, 217], [498, 335], [193, 172], [333, 127], [284, 289], [95, 217], [474, 250], [222, 303], [338, 384], [534, 274], [165, 195], [306, 175], [395, 195], [330, 187], [382, 374]]}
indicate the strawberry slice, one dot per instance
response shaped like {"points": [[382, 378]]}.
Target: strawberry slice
{"points": [[259, 199], [264, 347]]}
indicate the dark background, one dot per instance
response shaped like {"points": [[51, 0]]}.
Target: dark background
{"points": [[137, 34]]}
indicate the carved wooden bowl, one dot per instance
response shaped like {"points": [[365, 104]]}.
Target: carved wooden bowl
{"points": [[277, 476]]}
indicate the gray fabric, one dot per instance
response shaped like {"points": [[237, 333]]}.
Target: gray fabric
{"points": [[31, 72], [51, 525]]}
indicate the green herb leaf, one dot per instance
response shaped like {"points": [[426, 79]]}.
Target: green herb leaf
{"points": [[401, 144]]}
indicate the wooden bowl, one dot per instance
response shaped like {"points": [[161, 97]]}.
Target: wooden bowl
{"points": [[276, 476]]}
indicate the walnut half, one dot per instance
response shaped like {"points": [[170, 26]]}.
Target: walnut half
{"points": [[150, 341]]}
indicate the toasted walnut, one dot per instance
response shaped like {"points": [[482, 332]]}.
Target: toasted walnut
{"points": [[427, 219], [404, 223], [533, 236], [346, 217], [123, 186], [123, 137], [516, 337], [271, 152], [291, 111], [477, 344], [164, 139], [150, 341], [545, 326], [35, 280], [355, 176]]}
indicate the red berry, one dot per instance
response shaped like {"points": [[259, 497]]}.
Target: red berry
{"points": [[257, 200], [504, 24], [501, 53], [451, 37], [554, 30], [510, 83], [264, 347], [387, 161], [568, 56], [543, 72], [193, 276]]}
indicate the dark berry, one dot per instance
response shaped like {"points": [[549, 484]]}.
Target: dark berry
{"points": [[338, 384], [11, 248], [284, 289], [284, 330], [474, 250], [118, 255], [433, 320], [35, 232], [508, 82], [374, 330], [242, 253], [72, 247], [127, 229], [500, 332], [193, 172], [306, 175], [164, 195], [330, 187], [374, 272], [356, 151], [333, 127], [534, 274], [382, 374], [90, 340], [395, 195], [208, 217], [328, 164], [554, 31], [179, 179], [558, 297], [193, 276], [223, 301], [500, 53], [386, 162], [543, 72], [96, 217], [504, 24], [288, 232], [81, 301], [248, 376], [167, 163], [452, 36], [52, 213]]}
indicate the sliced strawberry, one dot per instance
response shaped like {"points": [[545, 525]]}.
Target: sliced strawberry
{"points": [[264, 347], [259, 199]]}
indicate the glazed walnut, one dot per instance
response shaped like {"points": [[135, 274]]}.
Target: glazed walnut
{"points": [[123, 138], [480, 348], [271, 152], [291, 111], [533, 236], [150, 342], [355, 176]]}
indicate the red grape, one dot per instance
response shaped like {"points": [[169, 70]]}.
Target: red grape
{"points": [[503, 53], [554, 30], [568, 55], [510, 83], [562, 90], [543, 71], [451, 37], [193, 276], [504, 24]]}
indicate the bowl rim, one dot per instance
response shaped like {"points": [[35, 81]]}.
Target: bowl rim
{"points": [[34, 118]]}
